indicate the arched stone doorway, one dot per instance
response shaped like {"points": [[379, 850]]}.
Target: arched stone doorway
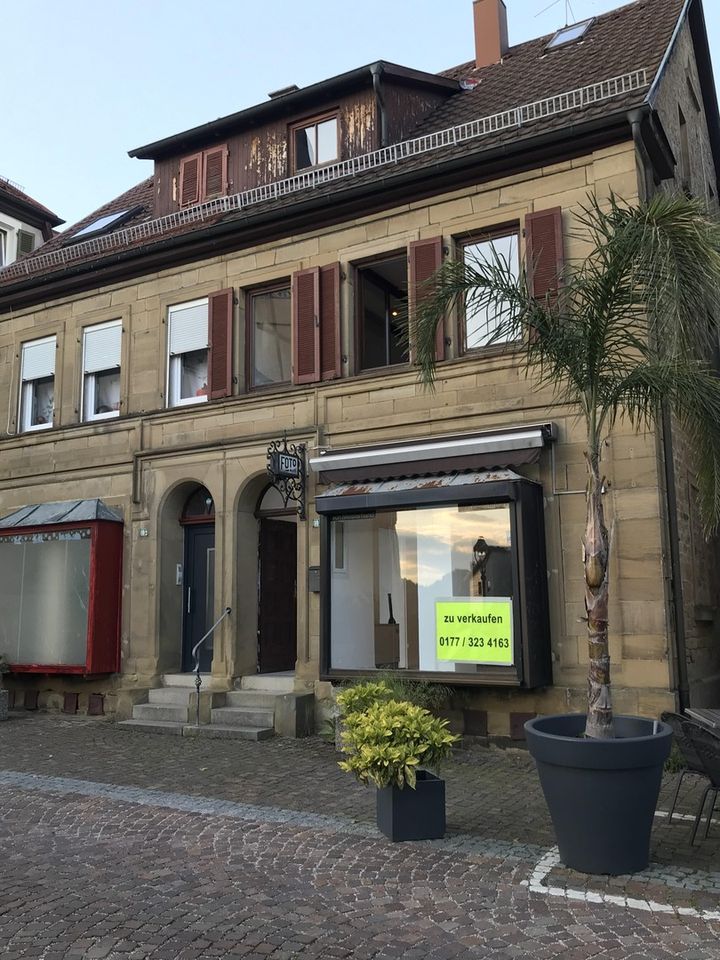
{"points": [[277, 584]]}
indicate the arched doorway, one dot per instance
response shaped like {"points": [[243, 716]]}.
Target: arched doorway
{"points": [[277, 584], [198, 577]]}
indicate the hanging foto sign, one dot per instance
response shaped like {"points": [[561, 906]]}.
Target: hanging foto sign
{"points": [[475, 630]]}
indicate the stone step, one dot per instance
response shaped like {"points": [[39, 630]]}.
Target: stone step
{"points": [[179, 680], [215, 731], [153, 726], [269, 682], [251, 698], [243, 717], [160, 712], [179, 696]]}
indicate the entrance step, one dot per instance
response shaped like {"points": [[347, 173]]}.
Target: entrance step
{"points": [[269, 682], [173, 712], [177, 695], [187, 681], [153, 726], [209, 730], [244, 717]]}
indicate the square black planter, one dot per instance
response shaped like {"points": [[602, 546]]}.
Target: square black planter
{"points": [[409, 814]]}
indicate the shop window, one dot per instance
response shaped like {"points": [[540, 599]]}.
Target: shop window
{"points": [[101, 371], [382, 288], [270, 336], [37, 393], [480, 321], [315, 143], [188, 343], [436, 579]]}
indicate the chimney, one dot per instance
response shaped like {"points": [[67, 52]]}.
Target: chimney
{"points": [[491, 32]]}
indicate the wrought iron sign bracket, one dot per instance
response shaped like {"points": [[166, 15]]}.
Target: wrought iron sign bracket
{"points": [[286, 469]]}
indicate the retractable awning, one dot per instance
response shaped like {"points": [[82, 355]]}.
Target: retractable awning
{"points": [[492, 449]]}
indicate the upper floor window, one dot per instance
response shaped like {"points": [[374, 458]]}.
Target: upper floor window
{"points": [[382, 312], [315, 143], [270, 341], [481, 320], [25, 242], [101, 370], [203, 176], [3, 248], [37, 384], [188, 348]]}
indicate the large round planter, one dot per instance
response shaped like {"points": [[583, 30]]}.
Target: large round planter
{"points": [[601, 794]]}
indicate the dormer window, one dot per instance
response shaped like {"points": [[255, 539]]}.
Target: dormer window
{"points": [[315, 143], [203, 176]]}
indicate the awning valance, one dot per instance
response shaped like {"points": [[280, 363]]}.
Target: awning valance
{"points": [[492, 449]]}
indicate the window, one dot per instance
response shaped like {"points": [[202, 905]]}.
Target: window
{"points": [[481, 320], [101, 371], [203, 176], [37, 388], [105, 224], [382, 312], [575, 31], [269, 330], [188, 343], [3, 248], [25, 242], [315, 143]]}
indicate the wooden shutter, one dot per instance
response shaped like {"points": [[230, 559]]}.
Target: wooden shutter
{"points": [[425, 259], [306, 325], [190, 171], [25, 242], [214, 172], [330, 361], [544, 245], [220, 361]]}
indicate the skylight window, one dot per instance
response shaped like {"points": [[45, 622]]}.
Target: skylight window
{"points": [[576, 31], [104, 224]]}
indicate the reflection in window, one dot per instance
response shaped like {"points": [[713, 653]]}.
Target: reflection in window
{"points": [[316, 144], [382, 312], [271, 350], [481, 320], [397, 564]]}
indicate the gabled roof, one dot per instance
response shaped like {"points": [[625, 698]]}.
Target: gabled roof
{"points": [[630, 42], [24, 203]]}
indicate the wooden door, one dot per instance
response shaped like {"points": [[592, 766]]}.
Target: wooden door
{"points": [[277, 620]]}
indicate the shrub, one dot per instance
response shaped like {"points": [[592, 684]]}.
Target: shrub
{"points": [[388, 742], [358, 697]]}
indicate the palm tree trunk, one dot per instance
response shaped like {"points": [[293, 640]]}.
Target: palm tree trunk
{"points": [[599, 716]]}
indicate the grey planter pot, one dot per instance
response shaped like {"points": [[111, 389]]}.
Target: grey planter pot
{"points": [[409, 814], [601, 794]]}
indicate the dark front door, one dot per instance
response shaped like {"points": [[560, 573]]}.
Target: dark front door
{"points": [[277, 640], [199, 589]]}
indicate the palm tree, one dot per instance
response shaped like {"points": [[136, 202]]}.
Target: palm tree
{"points": [[625, 334]]}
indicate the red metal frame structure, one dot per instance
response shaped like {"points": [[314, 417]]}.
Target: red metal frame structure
{"points": [[104, 598]]}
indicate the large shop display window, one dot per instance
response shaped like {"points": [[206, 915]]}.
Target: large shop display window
{"points": [[440, 589], [60, 597]]}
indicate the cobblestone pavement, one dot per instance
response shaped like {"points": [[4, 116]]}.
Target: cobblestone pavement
{"points": [[124, 845]]}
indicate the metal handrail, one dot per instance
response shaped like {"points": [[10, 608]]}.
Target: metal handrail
{"points": [[195, 653]]}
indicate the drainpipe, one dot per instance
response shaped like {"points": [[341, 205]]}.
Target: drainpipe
{"points": [[377, 71], [635, 118]]}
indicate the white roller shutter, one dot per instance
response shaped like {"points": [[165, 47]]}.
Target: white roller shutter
{"points": [[188, 324], [101, 347], [38, 359]]}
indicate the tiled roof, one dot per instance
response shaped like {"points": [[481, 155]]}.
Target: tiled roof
{"points": [[631, 38], [15, 193]]}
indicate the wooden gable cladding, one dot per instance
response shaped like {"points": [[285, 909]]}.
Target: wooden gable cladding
{"points": [[425, 257], [545, 254], [316, 324], [220, 322]]}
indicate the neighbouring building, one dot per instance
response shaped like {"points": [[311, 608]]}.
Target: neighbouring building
{"points": [[250, 294], [25, 224]]}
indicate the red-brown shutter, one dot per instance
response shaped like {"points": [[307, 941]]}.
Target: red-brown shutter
{"points": [[425, 259], [306, 325], [330, 322], [215, 172], [220, 360], [544, 245], [190, 169]]}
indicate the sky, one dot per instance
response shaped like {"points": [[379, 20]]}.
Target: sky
{"points": [[88, 80]]}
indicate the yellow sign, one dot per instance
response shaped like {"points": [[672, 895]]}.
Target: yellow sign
{"points": [[475, 630]]}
